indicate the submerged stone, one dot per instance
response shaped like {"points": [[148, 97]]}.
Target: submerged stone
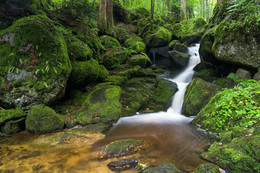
{"points": [[123, 164], [165, 168]]}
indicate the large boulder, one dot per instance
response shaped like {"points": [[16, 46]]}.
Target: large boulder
{"points": [[101, 105], [140, 59], [43, 119], [158, 38], [238, 106], [114, 59], [109, 42], [12, 120], [34, 65], [198, 95]]}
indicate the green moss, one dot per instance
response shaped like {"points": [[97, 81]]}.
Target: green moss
{"points": [[198, 94], [117, 80], [11, 114], [42, 119], [208, 75], [122, 34], [14, 126], [141, 60], [120, 146], [114, 59], [138, 47], [172, 43], [103, 73], [101, 105], [209, 168], [78, 50], [160, 37], [84, 72], [165, 168], [109, 42], [230, 108], [164, 93], [132, 40]]}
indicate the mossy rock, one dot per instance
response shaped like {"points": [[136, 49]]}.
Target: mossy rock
{"points": [[225, 83], [138, 47], [198, 94], [122, 35], [243, 74], [164, 93], [103, 73], [12, 121], [137, 71], [228, 108], [230, 48], [180, 47], [43, 119], [209, 168], [117, 80], [78, 50], [165, 168], [206, 44], [141, 60], [208, 75], [203, 65], [101, 105], [138, 94], [114, 59], [158, 38], [132, 40], [191, 38], [109, 42], [179, 58], [120, 148], [172, 44], [239, 155], [83, 73], [34, 57], [257, 75], [13, 126]]}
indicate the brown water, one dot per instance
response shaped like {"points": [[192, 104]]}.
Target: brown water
{"points": [[178, 144]]}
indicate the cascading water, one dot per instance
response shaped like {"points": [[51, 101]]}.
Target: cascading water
{"points": [[175, 139]]}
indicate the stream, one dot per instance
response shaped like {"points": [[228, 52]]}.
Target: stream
{"points": [[75, 150]]}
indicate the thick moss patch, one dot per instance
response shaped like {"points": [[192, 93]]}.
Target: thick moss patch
{"points": [[114, 59], [160, 37], [42, 119], [101, 105], [141, 59], [109, 42]]}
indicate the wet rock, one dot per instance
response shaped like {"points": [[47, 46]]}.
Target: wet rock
{"points": [[243, 74], [191, 38], [141, 60], [182, 59], [208, 75], [207, 168], [198, 94], [257, 75], [14, 126], [180, 48], [203, 65], [173, 43], [123, 164], [101, 105], [42, 119], [225, 83], [165, 168]]}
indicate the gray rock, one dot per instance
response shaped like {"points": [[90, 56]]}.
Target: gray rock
{"points": [[123, 164], [243, 74]]}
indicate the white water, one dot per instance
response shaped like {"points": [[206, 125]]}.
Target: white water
{"points": [[173, 114]]}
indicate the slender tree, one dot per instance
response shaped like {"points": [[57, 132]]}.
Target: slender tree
{"points": [[183, 9], [169, 9], [152, 9], [106, 17]]}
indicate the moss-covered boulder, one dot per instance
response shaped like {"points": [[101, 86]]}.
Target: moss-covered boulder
{"points": [[238, 106], [165, 168], [132, 40], [43, 119], [117, 80], [101, 105], [241, 154], [114, 59], [34, 65], [12, 120], [138, 47], [141, 60], [203, 65], [243, 74], [138, 94], [225, 83], [103, 73], [172, 44], [122, 35], [158, 38], [83, 73], [179, 58], [197, 96], [164, 93], [191, 38], [209, 168], [109, 42], [78, 50]]}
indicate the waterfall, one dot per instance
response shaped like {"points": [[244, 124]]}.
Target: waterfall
{"points": [[173, 114]]}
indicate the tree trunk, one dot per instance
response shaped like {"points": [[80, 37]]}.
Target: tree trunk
{"points": [[169, 9], [183, 9], [102, 16], [152, 9], [110, 21]]}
